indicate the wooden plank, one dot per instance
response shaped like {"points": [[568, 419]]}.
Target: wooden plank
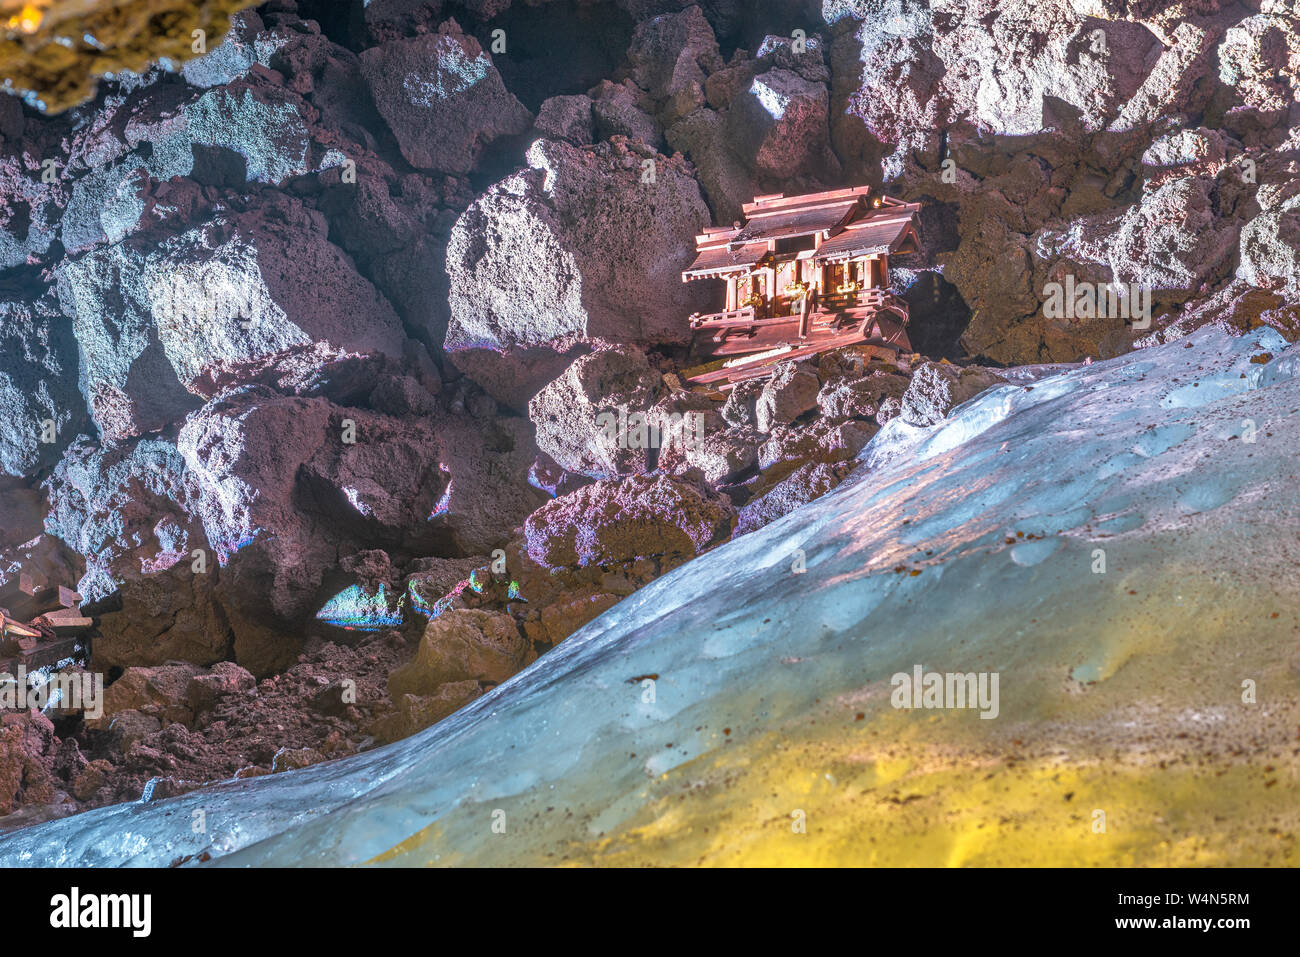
{"points": [[739, 373], [69, 627]]}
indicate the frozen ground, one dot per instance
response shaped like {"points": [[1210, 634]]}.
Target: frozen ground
{"points": [[738, 709]]}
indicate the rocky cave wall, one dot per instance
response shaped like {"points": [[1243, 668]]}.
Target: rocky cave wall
{"points": [[339, 303]]}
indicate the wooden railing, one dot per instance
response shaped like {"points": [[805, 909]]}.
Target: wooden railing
{"points": [[741, 316]]}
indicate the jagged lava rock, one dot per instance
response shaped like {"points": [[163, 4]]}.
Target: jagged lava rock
{"points": [[849, 397], [578, 246], [38, 384], [617, 384], [790, 392], [131, 511], [161, 691], [807, 482], [281, 493], [163, 324], [937, 388], [463, 644], [779, 125], [671, 51], [611, 522], [722, 455], [566, 118], [442, 98]]}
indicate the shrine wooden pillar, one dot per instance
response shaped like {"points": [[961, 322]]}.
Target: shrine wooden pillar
{"points": [[731, 292]]}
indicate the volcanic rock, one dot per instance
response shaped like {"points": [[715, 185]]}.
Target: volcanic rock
{"points": [[790, 392], [592, 419], [937, 388], [40, 407], [821, 441], [160, 692], [669, 52], [780, 126], [844, 397], [463, 645], [581, 245], [161, 323], [566, 118], [442, 98], [809, 481], [613, 522], [722, 455]]}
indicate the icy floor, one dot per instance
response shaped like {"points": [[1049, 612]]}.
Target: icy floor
{"points": [[700, 717]]}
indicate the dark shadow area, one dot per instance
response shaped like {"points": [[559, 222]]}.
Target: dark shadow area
{"points": [[938, 314], [557, 49], [342, 21]]}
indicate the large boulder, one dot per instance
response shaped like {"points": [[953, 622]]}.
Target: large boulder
{"points": [[146, 164], [589, 420], [290, 489], [725, 179], [1270, 249], [463, 644], [620, 109], [671, 51], [585, 243], [163, 324], [618, 522], [779, 126], [938, 387], [1257, 59], [130, 510], [245, 43], [724, 455], [1174, 240], [566, 118], [790, 392], [442, 98], [284, 486], [860, 397]]}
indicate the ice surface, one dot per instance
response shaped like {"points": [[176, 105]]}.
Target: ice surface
{"points": [[711, 715]]}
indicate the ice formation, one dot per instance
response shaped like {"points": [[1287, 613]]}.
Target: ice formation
{"points": [[1116, 541]]}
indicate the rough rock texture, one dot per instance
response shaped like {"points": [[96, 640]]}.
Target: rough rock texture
{"points": [[789, 393], [443, 99], [578, 246], [592, 420], [779, 124], [807, 482], [466, 645], [160, 324], [609, 522], [723, 455], [40, 407], [670, 52], [936, 388], [848, 397], [822, 441], [566, 118]]}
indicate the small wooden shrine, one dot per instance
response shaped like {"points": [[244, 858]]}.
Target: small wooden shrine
{"points": [[803, 274]]}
